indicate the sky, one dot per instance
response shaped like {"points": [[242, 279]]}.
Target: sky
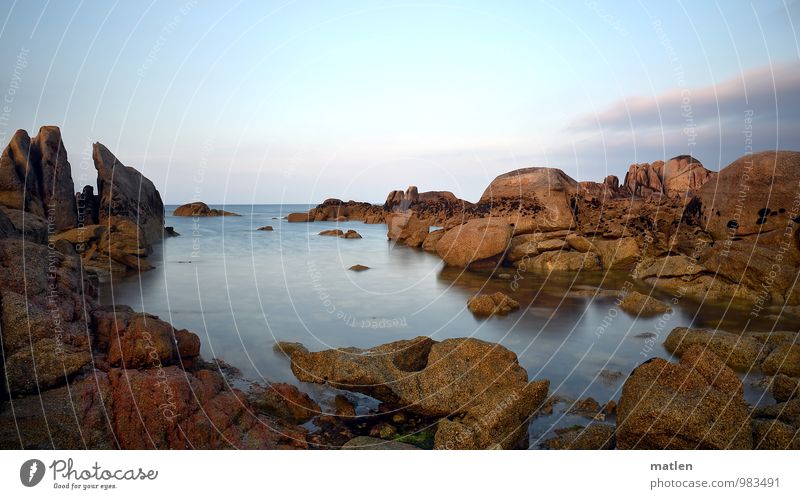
{"points": [[299, 101]]}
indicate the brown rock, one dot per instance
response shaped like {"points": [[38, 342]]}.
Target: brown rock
{"points": [[36, 177], [343, 408], [494, 304], [432, 239], [644, 179], [298, 217], [477, 388], [45, 364], [124, 193], [358, 268], [596, 436], [683, 175], [712, 369], [642, 305], [286, 402], [672, 406], [542, 195], [200, 209], [738, 352], [332, 232], [785, 388], [784, 359], [351, 234], [475, 240]]}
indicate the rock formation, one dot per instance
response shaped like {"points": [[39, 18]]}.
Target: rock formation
{"points": [[124, 193], [690, 405], [462, 382], [200, 209], [36, 177]]}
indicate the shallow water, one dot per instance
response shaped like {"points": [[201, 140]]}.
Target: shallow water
{"points": [[242, 289]]}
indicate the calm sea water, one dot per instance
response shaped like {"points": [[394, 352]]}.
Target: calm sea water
{"points": [[242, 290]]}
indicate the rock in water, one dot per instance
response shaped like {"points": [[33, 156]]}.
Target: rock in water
{"points": [[358, 268], [478, 389], [681, 406], [475, 240], [199, 209], [540, 198], [684, 174], [36, 177], [125, 193], [494, 304], [351, 234]]}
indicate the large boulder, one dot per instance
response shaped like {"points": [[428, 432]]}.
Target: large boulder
{"points": [[139, 341], [494, 304], [536, 198], [683, 175], [477, 389], [681, 406], [737, 351], [36, 177], [748, 209], [200, 209], [475, 240], [411, 230], [124, 193]]}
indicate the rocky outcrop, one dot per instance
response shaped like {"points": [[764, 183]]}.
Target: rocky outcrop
{"points": [[117, 247], [494, 304], [42, 299], [642, 305], [751, 211], [644, 179], [531, 199], [76, 375], [596, 436], [478, 391], [777, 427], [36, 177], [684, 175], [774, 352], [682, 406], [124, 193], [436, 206], [408, 228], [199, 209], [679, 177], [474, 241], [338, 210]]}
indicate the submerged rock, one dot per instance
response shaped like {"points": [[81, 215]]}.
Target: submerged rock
{"points": [[473, 241], [642, 305]]}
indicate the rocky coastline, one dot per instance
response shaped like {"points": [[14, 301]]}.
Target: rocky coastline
{"points": [[76, 374]]}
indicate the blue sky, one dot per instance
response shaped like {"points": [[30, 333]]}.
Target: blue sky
{"points": [[272, 102]]}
